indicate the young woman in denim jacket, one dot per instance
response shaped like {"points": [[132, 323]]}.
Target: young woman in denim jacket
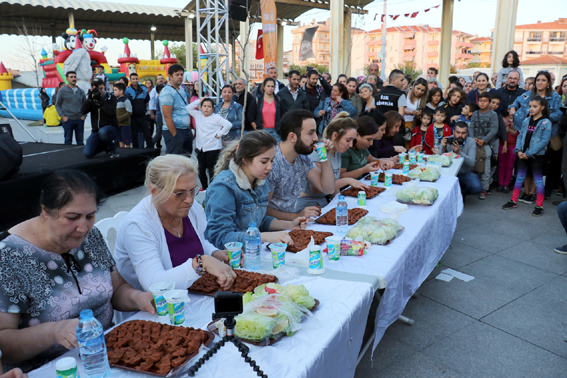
{"points": [[232, 112], [332, 106], [238, 194], [520, 110], [530, 148]]}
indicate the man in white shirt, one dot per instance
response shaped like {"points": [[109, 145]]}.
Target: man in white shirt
{"points": [[153, 108]]}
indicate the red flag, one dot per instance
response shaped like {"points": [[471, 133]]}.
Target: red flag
{"points": [[375, 15], [406, 15], [260, 45], [427, 10], [437, 6], [395, 17], [414, 14], [383, 17]]}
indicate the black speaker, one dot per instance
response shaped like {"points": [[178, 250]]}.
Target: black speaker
{"points": [[11, 156], [6, 128], [238, 9]]}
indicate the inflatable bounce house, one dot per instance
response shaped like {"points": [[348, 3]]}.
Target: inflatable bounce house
{"points": [[78, 54]]}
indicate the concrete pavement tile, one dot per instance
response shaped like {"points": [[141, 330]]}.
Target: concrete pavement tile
{"points": [[470, 219], [417, 366], [482, 238], [480, 350], [498, 281], [515, 228], [459, 255], [551, 239], [388, 352], [537, 317], [537, 255], [433, 322]]}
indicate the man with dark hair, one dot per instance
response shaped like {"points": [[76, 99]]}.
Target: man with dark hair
{"points": [[69, 102], [250, 113], [293, 168], [315, 92], [327, 77], [273, 73], [465, 146], [153, 111], [105, 133], [139, 97], [292, 96], [391, 97], [432, 74], [176, 119], [101, 75], [509, 92]]}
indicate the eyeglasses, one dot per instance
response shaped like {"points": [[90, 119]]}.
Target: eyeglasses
{"points": [[180, 196]]}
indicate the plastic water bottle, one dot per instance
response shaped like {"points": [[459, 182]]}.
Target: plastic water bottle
{"points": [[92, 347], [342, 216], [252, 259]]}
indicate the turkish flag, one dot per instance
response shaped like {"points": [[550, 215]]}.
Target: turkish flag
{"points": [[395, 17], [260, 45], [414, 14]]}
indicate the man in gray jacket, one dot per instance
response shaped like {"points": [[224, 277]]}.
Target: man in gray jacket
{"points": [[70, 99], [465, 146], [292, 96]]}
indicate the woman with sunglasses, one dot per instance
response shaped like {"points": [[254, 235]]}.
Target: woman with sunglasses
{"points": [[161, 239]]}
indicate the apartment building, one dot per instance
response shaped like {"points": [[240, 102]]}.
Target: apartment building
{"points": [[256, 68], [419, 44], [482, 51], [542, 38]]}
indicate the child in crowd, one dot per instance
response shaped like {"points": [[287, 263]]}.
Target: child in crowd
{"points": [[123, 114], [529, 85], [342, 132], [510, 63], [239, 193], [495, 101], [437, 132], [454, 106], [434, 98], [51, 116], [483, 129], [357, 161], [418, 133], [530, 149], [506, 155], [468, 110], [210, 129]]}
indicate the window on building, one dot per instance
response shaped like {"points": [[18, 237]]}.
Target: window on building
{"points": [[535, 36], [557, 36]]}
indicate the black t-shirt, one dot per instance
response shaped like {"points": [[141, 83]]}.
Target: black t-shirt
{"points": [[529, 133], [387, 98]]}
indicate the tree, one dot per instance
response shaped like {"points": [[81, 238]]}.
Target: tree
{"points": [[303, 69], [30, 50], [409, 68], [452, 69]]}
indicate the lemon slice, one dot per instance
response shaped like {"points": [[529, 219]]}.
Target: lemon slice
{"points": [[280, 326], [268, 311]]}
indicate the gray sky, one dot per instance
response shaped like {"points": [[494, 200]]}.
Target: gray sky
{"points": [[471, 16]]}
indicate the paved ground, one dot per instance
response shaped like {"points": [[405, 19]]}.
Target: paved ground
{"points": [[510, 321]]}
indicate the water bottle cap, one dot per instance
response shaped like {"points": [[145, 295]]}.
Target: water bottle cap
{"points": [[66, 363], [341, 197], [85, 314], [252, 224]]}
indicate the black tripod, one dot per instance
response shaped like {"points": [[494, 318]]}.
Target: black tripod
{"points": [[229, 322]]}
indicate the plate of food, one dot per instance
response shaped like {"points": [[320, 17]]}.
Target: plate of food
{"points": [[416, 195], [302, 238], [396, 179], [401, 166], [376, 231], [154, 348], [330, 217], [371, 191], [430, 174], [245, 282], [271, 312]]}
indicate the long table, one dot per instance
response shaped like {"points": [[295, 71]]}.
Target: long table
{"points": [[327, 345], [403, 265]]}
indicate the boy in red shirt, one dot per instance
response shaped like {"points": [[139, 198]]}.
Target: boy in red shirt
{"points": [[418, 132], [436, 132]]}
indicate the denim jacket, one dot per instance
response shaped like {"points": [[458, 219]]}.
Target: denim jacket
{"points": [[540, 137], [522, 106], [344, 106], [231, 204], [234, 116]]}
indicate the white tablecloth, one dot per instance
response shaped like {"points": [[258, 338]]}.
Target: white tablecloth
{"points": [[454, 168], [326, 346], [404, 264]]}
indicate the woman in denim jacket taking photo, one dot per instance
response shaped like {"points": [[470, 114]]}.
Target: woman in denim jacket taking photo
{"points": [[230, 110], [238, 194]]}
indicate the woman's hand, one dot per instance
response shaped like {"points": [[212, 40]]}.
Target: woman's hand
{"points": [[480, 142], [299, 223], [14, 373], [328, 144], [321, 112], [277, 237], [505, 148], [225, 275], [386, 164], [221, 256], [310, 211], [371, 167], [145, 301], [64, 333], [417, 148], [399, 149], [455, 118], [357, 184]]}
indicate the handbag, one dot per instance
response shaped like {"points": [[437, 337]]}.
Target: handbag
{"points": [[480, 159], [555, 143]]}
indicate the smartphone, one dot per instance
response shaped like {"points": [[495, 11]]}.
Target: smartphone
{"points": [[309, 68], [450, 139]]}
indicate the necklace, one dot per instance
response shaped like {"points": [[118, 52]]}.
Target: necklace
{"points": [[171, 228]]}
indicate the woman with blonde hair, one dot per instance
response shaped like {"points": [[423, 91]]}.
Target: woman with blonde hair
{"points": [[239, 193], [342, 132], [161, 239]]}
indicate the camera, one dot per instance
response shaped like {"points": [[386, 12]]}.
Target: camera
{"points": [[450, 139], [227, 304]]}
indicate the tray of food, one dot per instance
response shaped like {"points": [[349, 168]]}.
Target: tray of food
{"points": [[302, 238], [154, 348], [445, 160], [430, 174], [396, 179], [245, 282], [401, 166], [331, 216], [270, 313], [371, 191], [376, 231], [416, 195]]}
